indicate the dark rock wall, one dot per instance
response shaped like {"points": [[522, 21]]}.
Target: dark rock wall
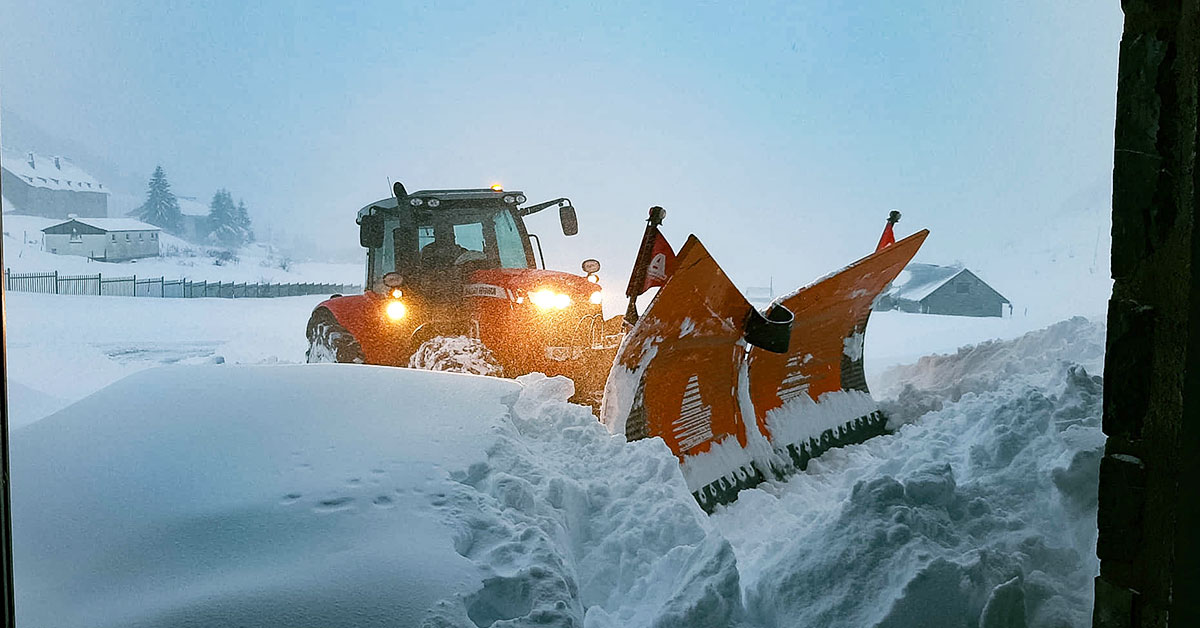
{"points": [[1149, 485]]}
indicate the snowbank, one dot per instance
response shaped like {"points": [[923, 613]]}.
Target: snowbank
{"points": [[981, 510], [342, 495], [62, 348], [181, 493]]}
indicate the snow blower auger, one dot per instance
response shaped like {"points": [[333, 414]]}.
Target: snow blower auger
{"points": [[738, 394]]}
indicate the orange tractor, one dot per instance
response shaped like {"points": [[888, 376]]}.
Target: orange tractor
{"points": [[740, 395], [453, 283]]}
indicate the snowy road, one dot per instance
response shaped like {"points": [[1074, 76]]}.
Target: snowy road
{"points": [[980, 512]]}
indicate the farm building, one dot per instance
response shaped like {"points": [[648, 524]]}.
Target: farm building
{"points": [[49, 186], [932, 289], [109, 239]]}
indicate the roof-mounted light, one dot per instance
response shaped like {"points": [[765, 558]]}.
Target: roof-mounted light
{"points": [[433, 202], [415, 202], [496, 187], [521, 199], [509, 198]]}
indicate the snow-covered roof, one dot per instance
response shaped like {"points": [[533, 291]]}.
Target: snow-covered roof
{"points": [[54, 173], [918, 281], [111, 224]]}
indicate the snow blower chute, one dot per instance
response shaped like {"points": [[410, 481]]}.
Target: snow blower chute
{"points": [[742, 395]]}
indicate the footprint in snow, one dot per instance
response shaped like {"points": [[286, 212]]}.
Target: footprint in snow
{"points": [[334, 504]]}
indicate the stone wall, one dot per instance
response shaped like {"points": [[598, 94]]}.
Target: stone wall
{"points": [[1149, 477]]}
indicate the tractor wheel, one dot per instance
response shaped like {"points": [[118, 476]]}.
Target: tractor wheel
{"points": [[330, 342], [459, 354]]}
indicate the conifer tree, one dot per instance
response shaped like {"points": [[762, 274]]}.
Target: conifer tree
{"points": [[161, 207], [243, 222], [223, 221]]}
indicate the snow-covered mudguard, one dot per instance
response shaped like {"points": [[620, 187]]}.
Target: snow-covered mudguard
{"points": [[741, 396]]}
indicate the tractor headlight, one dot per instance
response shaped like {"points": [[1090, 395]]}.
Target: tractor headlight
{"points": [[396, 310], [433, 202], [547, 299], [597, 297]]}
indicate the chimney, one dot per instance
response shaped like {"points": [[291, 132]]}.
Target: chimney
{"points": [[57, 163], [30, 158]]}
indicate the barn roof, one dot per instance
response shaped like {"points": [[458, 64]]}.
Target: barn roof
{"points": [[54, 173], [110, 224], [918, 281]]}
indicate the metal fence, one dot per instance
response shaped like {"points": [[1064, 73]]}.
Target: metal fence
{"points": [[131, 286]]}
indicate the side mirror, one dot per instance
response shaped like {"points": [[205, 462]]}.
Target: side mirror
{"points": [[370, 231], [570, 222]]}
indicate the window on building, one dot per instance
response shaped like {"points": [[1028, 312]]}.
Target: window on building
{"points": [[75, 237], [114, 236], [153, 236], [141, 236], [127, 237]]}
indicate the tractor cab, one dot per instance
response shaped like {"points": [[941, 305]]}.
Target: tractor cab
{"points": [[435, 239]]}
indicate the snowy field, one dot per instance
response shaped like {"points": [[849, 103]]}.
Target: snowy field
{"points": [[230, 486], [179, 260]]}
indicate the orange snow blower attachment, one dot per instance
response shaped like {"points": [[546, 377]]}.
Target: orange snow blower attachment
{"points": [[742, 395]]}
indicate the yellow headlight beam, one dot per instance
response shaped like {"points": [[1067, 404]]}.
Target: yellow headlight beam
{"points": [[396, 310], [547, 299]]}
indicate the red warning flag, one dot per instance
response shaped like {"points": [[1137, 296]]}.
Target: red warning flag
{"points": [[661, 264]]}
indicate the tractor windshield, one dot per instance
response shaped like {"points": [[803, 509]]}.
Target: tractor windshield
{"points": [[430, 241]]}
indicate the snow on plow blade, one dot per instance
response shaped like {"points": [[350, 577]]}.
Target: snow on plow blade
{"points": [[741, 395]]}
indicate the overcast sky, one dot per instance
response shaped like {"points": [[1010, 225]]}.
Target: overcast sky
{"points": [[780, 133]]}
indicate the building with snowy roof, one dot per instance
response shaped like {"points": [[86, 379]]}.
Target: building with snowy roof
{"points": [[193, 220], [49, 186], [950, 290], [109, 239]]}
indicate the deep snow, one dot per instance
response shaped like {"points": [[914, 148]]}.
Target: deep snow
{"points": [[980, 510]]}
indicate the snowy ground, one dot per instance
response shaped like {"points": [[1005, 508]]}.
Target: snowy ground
{"points": [[980, 512], [180, 260]]}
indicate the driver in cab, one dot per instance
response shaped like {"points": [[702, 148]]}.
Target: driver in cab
{"points": [[445, 251]]}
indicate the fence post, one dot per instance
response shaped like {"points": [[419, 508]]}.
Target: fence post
{"points": [[134, 292], [56, 282]]}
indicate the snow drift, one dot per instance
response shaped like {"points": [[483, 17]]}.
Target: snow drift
{"points": [[980, 513], [340, 495]]}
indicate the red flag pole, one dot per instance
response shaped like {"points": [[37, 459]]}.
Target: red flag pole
{"points": [[889, 237], [637, 279]]}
